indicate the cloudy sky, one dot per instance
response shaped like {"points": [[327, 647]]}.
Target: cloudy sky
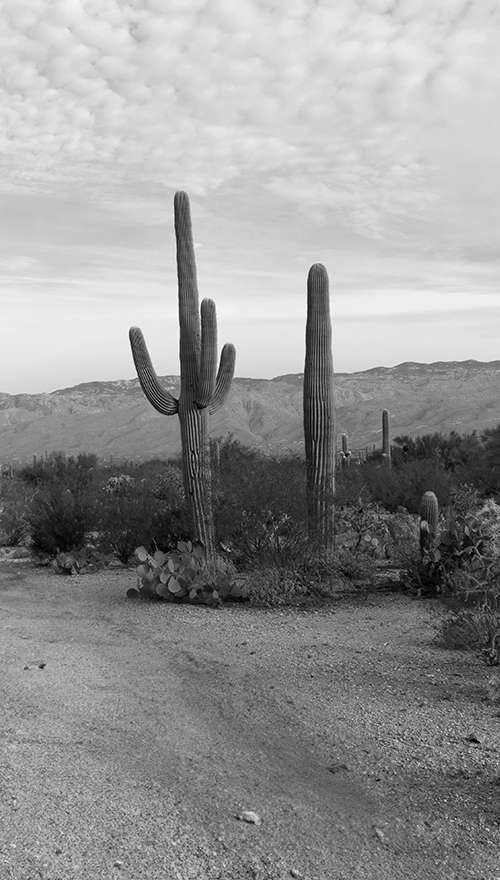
{"points": [[364, 134]]}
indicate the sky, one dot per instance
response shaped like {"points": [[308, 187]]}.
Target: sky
{"points": [[362, 134]]}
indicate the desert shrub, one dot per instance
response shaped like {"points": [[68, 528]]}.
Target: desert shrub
{"points": [[15, 506], [263, 538], [59, 520], [368, 530], [311, 579], [350, 487], [74, 473], [273, 586], [462, 568], [171, 518], [124, 515], [404, 486], [143, 507], [463, 559], [259, 504], [355, 569], [472, 623], [491, 442], [469, 458], [63, 505]]}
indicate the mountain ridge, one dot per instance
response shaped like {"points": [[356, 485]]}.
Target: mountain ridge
{"points": [[113, 418]]}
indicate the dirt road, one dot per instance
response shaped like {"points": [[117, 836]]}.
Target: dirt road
{"points": [[366, 751]]}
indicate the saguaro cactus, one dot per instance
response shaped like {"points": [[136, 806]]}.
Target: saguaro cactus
{"points": [[319, 428], [429, 515], [345, 455], [386, 439], [203, 389]]}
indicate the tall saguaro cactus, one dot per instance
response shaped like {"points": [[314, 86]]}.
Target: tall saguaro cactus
{"points": [[319, 427], [203, 388]]}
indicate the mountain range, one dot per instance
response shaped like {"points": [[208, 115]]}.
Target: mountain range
{"points": [[115, 421]]}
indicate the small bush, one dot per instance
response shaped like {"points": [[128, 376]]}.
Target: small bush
{"points": [[14, 513], [259, 504], [403, 486], [59, 520], [274, 586], [473, 623], [125, 516], [75, 474], [357, 569]]}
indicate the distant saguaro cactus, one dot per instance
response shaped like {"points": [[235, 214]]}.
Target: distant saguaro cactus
{"points": [[429, 515], [386, 439], [203, 389], [345, 456], [319, 428]]}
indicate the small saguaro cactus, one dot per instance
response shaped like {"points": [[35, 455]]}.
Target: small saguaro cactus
{"points": [[386, 440], [429, 515], [319, 428], [345, 456], [203, 388]]}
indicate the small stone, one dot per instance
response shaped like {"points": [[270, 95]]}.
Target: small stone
{"points": [[249, 816], [295, 873], [42, 665], [58, 851], [473, 738], [117, 864], [337, 767], [379, 833]]}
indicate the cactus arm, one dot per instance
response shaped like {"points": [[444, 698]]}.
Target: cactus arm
{"points": [[158, 396], [189, 312], [224, 377], [208, 357]]}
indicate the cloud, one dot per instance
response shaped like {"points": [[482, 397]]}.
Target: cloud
{"points": [[359, 109], [363, 134]]}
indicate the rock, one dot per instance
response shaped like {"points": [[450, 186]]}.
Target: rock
{"points": [[20, 553], [337, 767], [249, 816]]}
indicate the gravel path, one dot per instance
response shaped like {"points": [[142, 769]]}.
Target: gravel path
{"points": [[366, 751]]}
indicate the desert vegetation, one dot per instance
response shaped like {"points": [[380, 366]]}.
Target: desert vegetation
{"points": [[225, 522], [78, 514]]}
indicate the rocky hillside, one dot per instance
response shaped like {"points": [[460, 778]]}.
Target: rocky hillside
{"points": [[113, 419]]}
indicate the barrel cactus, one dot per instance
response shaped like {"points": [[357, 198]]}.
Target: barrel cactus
{"points": [[203, 388], [319, 427]]}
